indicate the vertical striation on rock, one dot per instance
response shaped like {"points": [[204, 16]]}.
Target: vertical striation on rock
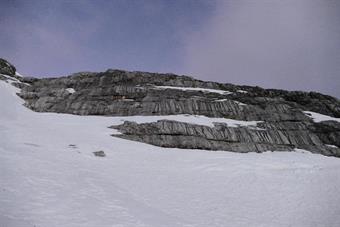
{"points": [[284, 125], [278, 136]]}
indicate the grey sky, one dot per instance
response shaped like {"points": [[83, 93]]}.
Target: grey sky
{"points": [[291, 44]]}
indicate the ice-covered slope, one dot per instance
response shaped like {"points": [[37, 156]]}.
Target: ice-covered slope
{"points": [[50, 177]]}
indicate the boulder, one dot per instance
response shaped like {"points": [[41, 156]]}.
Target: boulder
{"points": [[99, 153]]}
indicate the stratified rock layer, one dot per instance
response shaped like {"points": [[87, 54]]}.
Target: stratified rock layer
{"points": [[120, 93], [278, 136]]}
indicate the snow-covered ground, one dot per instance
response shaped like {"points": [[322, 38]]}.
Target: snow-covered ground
{"points": [[317, 117], [193, 119], [49, 177], [222, 92], [224, 100]]}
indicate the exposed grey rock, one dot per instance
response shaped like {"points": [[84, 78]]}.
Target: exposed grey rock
{"points": [[28, 80], [72, 146], [328, 132], [123, 93], [99, 153], [120, 93], [283, 136], [6, 68]]}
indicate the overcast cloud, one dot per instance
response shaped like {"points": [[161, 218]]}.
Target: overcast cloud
{"points": [[290, 44]]}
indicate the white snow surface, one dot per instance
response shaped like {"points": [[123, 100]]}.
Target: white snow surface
{"points": [[237, 102], [18, 74], [317, 117], [70, 90], [50, 177], [222, 92], [192, 119], [10, 78]]}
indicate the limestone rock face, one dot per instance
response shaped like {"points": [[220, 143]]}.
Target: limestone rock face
{"points": [[328, 132], [6, 68], [116, 92], [283, 136], [121, 93]]}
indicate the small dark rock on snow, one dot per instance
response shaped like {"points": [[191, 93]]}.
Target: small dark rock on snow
{"points": [[99, 153]]}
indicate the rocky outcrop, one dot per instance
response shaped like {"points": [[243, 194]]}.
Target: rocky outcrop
{"points": [[283, 136], [118, 93], [121, 93], [6, 68], [312, 101], [328, 132]]}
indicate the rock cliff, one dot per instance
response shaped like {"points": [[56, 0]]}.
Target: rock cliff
{"points": [[283, 124]]}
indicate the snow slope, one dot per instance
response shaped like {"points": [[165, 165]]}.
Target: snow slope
{"points": [[49, 177]]}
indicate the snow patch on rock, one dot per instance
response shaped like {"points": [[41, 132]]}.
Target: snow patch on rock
{"points": [[70, 90], [18, 74], [222, 92], [317, 117], [191, 119]]}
